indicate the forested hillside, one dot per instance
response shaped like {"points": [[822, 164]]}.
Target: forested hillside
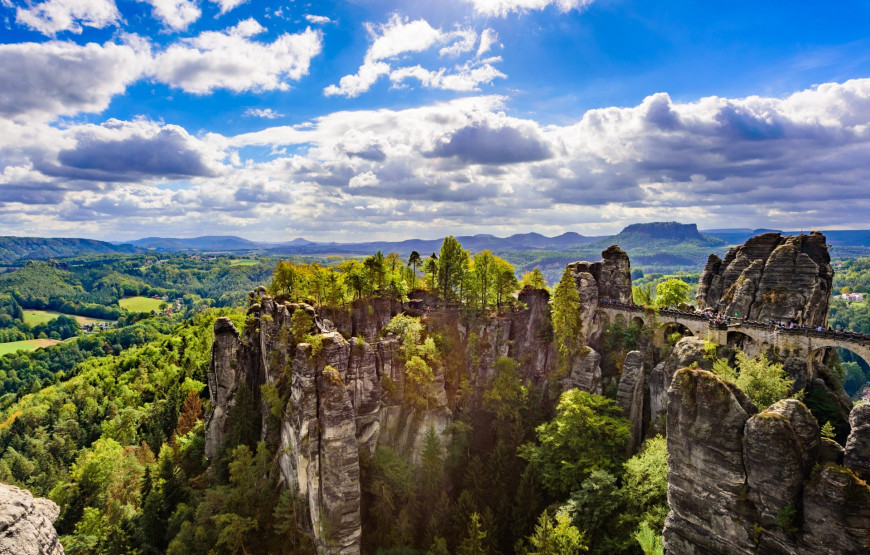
{"points": [[17, 248], [507, 424]]}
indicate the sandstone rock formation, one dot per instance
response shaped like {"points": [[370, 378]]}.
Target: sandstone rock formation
{"points": [[345, 398], [688, 351], [630, 396], [706, 476], [585, 373], [610, 279], [857, 453], [223, 382], [771, 276], [741, 482], [26, 523]]}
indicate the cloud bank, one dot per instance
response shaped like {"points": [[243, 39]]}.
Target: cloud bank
{"points": [[458, 165]]}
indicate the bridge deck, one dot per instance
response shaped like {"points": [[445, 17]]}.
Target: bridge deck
{"points": [[836, 338]]}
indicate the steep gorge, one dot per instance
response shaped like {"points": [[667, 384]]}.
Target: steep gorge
{"points": [[347, 393]]}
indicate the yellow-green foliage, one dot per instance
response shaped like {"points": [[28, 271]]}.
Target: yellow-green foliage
{"points": [[650, 542], [301, 325], [645, 482], [710, 350], [507, 395], [765, 382], [567, 323], [273, 399], [332, 374], [722, 369], [672, 292], [588, 433], [557, 537], [534, 279], [418, 371], [316, 342]]}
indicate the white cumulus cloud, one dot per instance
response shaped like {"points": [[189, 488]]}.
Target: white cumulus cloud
{"points": [[464, 78], [175, 14], [230, 60], [399, 37], [228, 5], [367, 179], [487, 39], [54, 16], [44, 80]]}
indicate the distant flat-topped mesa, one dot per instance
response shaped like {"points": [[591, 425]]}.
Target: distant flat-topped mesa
{"points": [[786, 278]]}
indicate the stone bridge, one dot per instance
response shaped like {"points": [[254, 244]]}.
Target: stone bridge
{"points": [[753, 337]]}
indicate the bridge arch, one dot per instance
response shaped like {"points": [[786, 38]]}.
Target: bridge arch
{"points": [[666, 329], [745, 342], [858, 349]]}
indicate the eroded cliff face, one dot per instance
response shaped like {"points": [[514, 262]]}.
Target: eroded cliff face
{"points": [[771, 276], [26, 523], [610, 279], [343, 398], [740, 481]]}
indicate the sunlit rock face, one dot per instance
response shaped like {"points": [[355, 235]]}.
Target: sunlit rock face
{"points": [[770, 276], [742, 481], [26, 523], [346, 398], [607, 279]]}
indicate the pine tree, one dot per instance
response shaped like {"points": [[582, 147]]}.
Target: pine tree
{"points": [[474, 542], [567, 321]]}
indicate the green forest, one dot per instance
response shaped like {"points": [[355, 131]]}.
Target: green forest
{"points": [[110, 425]]}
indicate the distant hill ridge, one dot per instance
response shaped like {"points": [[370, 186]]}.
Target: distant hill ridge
{"points": [[645, 236], [522, 241], [18, 248]]}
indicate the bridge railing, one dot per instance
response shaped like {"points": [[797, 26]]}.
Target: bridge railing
{"points": [[729, 323]]}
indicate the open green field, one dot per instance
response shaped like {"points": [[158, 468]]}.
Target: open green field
{"points": [[36, 317], [29, 345], [140, 304], [244, 262]]}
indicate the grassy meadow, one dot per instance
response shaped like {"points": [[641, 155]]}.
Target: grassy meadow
{"points": [[36, 317], [141, 304], [28, 345]]}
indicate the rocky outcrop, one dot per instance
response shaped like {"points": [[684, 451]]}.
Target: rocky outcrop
{"points": [[780, 446], [531, 334], [689, 351], [770, 276], [740, 482], [365, 317], [706, 476], [585, 373], [857, 453], [26, 523], [223, 382], [609, 279], [836, 513], [630, 396], [342, 398]]}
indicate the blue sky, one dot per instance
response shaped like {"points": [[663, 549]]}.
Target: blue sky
{"points": [[384, 120]]}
